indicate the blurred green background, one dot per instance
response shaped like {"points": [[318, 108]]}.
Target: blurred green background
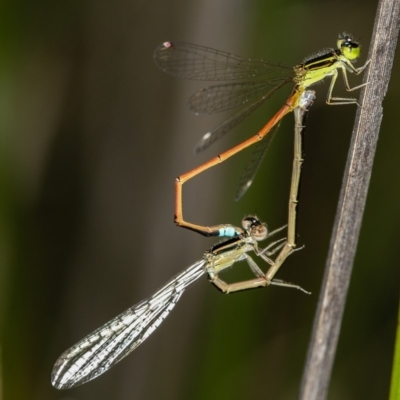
{"points": [[92, 138]]}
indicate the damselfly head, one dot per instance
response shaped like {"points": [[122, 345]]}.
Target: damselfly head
{"points": [[255, 228], [348, 46]]}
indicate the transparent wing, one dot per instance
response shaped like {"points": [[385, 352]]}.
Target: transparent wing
{"points": [[252, 166], [103, 348], [218, 98], [202, 63], [210, 137]]}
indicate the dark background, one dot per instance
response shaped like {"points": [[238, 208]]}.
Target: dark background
{"points": [[92, 138]]}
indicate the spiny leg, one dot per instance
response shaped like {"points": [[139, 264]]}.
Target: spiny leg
{"points": [[279, 282], [345, 100]]}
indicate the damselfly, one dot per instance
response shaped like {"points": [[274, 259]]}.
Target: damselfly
{"points": [[202, 63], [103, 348]]}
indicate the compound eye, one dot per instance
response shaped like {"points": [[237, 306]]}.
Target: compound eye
{"points": [[259, 232], [249, 222], [350, 50]]}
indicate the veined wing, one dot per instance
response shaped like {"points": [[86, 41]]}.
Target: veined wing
{"points": [[103, 348], [202, 63], [252, 166], [210, 137], [218, 98]]}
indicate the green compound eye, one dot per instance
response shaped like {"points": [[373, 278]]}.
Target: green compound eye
{"points": [[351, 50]]}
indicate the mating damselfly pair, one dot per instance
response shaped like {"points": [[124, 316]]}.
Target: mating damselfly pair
{"points": [[100, 350]]}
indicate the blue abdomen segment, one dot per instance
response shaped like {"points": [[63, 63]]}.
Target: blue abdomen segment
{"points": [[228, 231]]}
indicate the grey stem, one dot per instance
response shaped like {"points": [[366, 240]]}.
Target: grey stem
{"points": [[328, 318]]}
